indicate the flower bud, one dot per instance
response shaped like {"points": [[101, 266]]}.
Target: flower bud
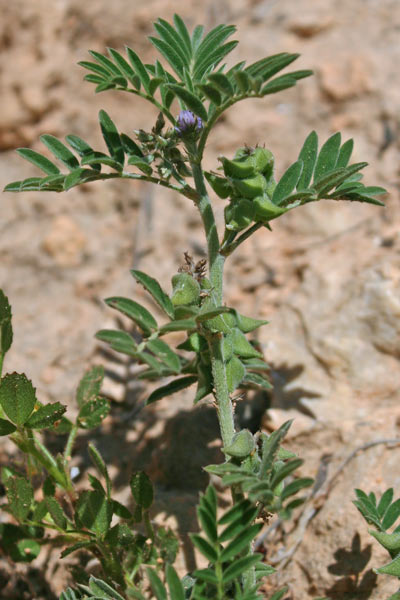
{"points": [[188, 124]]}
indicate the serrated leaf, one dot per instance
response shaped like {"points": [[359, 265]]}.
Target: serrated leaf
{"points": [[46, 416], [89, 386], [165, 354], [240, 542], [171, 388], [328, 156], [94, 512], [191, 101], [111, 137], [139, 68], [287, 182], [205, 547], [93, 413], [238, 567], [154, 288], [39, 161], [142, 489], [308, 155], [6, 332], [156, 584], [120, 535], [121, 511], [20, 497], [136, 312], [60, 151], [17, 397]]}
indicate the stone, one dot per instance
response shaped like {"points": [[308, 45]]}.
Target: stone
{"points": [[65, 242]]}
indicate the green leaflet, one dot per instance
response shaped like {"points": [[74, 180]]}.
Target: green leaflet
{"points": [[60, 151], [89, 386], [171, 388], [154, 288], [142, 489], [111, 138], [39, 161], [190, 100], [46, 416], [136, 312], [93, 511], [6, 332], [17, 397], [328, 156], [287, 182]]}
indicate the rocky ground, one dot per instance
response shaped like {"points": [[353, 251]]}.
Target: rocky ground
{"points": [[327, 278]]}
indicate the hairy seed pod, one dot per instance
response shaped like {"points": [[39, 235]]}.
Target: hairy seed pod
{"points": [[242, 445], [265, 210], [241, 215], [250, 187], [263, 161], [185, 289], [238, 168], [220, 185]]}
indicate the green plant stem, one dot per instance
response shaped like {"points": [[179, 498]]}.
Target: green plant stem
{"points": [[31, 445], [227, 249], [224, 403], [70, 442]]}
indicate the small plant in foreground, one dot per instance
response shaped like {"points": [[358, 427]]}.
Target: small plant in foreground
{"points": [[383, 515], [215, 354]]}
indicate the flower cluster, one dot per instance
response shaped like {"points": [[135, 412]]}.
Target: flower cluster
{"points": [[188, 124]]}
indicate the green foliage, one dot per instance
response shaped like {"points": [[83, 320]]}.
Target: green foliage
{"points": [[382, 515], [135, 556]]}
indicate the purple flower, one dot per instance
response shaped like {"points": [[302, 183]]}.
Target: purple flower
{"points": [[188, 123]]}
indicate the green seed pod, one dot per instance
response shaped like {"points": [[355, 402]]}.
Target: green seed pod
{"points": [[241, 215], [239, 167], [217, 323], [242, 445], [220, 185], [265, 210], [250, 187], [185, 289], [263, 161]]}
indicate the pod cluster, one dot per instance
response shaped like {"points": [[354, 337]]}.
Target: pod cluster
{"points": [[249, 184], [192, 297]]}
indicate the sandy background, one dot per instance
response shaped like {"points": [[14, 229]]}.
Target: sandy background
{"points": [[327, 279]]}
